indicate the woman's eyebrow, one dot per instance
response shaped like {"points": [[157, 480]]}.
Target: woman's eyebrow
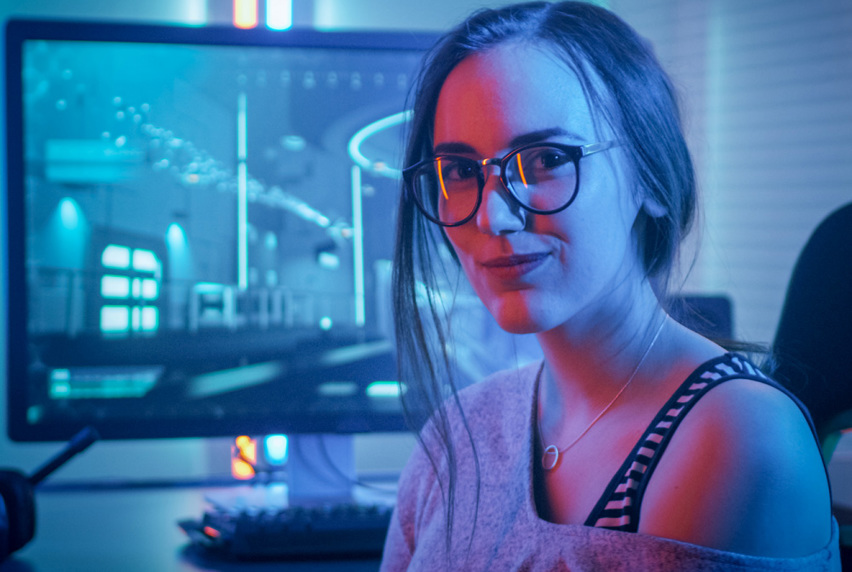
{"points": [[459, 148], [542, 135], [453, 147]]}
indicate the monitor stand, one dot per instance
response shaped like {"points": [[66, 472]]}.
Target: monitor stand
{"points": [[320, 468]]}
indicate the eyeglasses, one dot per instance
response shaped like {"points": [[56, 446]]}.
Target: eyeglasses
{"points": [[543, 178]]}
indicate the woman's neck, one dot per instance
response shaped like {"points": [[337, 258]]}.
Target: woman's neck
{"points": [[591, 357]]}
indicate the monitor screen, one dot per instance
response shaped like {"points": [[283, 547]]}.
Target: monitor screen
{"points": [[200, 228]]}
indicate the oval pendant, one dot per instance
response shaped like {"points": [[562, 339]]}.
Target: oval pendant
{"points": [[550, 458]]}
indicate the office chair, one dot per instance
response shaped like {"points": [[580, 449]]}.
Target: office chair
{"points": [[813, 344], [812, 350]]}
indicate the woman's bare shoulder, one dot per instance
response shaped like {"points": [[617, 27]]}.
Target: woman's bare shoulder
{"points": [[742, 473]]}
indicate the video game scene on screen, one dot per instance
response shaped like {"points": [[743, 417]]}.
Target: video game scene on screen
{"points": [[207, 233]]}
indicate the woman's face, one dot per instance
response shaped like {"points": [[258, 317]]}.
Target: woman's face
{"points": [[538, 272]]}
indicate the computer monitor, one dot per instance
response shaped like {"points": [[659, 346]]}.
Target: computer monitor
{"points": [[200, 223]]}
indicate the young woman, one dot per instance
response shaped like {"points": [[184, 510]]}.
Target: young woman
{"points": [[547, 157]]}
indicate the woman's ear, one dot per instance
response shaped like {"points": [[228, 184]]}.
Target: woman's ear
{"points": [[653, 207]]}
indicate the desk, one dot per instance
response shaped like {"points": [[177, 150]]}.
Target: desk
{"points": [[131, 530]]}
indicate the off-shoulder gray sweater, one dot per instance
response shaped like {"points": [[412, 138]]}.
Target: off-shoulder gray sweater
{"points": [[509, 535]]}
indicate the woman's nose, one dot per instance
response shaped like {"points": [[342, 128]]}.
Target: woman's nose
{"points": [[498, 213]]}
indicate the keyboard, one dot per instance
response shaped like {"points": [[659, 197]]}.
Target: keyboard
{"points": [[343, 530]]}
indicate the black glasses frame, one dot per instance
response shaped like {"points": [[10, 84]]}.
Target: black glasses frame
{"points": [[575, 153]]}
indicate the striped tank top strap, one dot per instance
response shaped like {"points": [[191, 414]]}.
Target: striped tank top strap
{"points": [[618, 508]]}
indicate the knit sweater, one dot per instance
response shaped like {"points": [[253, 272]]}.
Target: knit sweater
{"points": [[509, 534]]}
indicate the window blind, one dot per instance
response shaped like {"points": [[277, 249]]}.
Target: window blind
{"points": [[767, 90]]}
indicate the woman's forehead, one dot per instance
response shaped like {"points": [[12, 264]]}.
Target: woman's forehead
{"points": [[496, 95]]}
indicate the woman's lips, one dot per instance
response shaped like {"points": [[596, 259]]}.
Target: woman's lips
{"points": [[514, 266]]}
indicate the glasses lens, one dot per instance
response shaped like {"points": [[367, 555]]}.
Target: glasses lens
{"points": [[543, 178], [447, 188]]}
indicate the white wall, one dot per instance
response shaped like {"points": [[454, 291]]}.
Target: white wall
{"points": [[766, 87]]}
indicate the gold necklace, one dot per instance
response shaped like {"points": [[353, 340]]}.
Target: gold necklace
{"points": [[552, 451]]}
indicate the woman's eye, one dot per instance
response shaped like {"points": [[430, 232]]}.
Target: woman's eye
{"points": [[551, 159], [459, 171]]}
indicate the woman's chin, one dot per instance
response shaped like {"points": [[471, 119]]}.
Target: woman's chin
{"points": [[516, 319]]}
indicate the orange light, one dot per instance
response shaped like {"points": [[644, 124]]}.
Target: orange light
{"points": [[521, 170], [245, 13], [441, 178], [241, 470], [243, 457]]}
